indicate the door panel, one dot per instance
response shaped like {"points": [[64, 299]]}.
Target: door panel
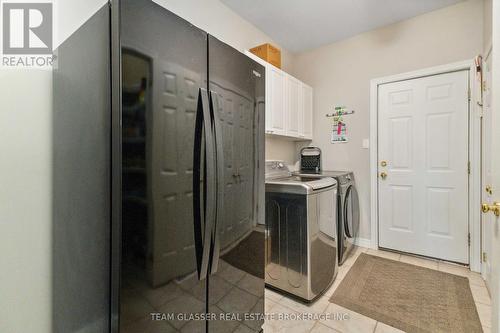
{"points": [[402, 208], [162, 76], [237, 285], [401, 135], [423, 137]]}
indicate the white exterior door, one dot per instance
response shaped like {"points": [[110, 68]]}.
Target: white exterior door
{"points": [[423, 187], [495, 167]]}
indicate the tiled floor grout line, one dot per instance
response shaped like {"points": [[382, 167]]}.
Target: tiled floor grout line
{"points": [[315, 324]]}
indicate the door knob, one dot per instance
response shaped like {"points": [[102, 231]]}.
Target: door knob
{"points": [[383, 175], [495, 208]]}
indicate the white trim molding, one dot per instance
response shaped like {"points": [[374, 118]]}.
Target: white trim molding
{"points": [[364, 242], [474, 153]]}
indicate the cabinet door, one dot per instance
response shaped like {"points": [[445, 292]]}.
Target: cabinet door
{"points": [[307, 112], [292, 106], [275, 110]]}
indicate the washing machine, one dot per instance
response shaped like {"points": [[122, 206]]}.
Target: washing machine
{"points": [[301, 232], [348, 209]]}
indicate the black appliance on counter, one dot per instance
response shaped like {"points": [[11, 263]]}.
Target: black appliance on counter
{"points": [[310, 160]]}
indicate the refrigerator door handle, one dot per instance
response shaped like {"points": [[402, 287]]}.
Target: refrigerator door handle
{"points": [[203, 210], [220, 167]]}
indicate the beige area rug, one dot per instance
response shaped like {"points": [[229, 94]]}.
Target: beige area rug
{"points": [[408, 297]]}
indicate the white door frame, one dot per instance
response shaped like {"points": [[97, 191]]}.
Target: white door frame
{"points": [[474, 153], [486, 219]]}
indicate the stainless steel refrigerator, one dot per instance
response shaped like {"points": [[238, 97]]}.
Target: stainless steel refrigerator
{"points": [[158, 181], [192, 156]]}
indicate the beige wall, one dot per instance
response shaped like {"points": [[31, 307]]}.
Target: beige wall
{"points": [[280, 149], [220, 21], [340, 74], [487, 24], [25, 201]]}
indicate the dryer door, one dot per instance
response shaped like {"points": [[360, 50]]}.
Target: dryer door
{"points": [[351, 212]]}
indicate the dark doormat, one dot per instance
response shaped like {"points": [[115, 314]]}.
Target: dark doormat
{"points": [[248, 255], [408, 297]]}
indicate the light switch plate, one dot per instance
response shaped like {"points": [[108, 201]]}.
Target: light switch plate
{"points": [[366, 144]]}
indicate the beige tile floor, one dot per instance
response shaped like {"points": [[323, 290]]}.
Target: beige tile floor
{"points": [[357, 323], [233, 291]]}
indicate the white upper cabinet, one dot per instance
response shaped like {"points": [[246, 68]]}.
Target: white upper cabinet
{"points": [[275, 101], [292, 106], [289, 104], [306, 126]]}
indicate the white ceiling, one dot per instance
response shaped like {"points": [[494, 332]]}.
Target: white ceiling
{"points": [[299, 25]]}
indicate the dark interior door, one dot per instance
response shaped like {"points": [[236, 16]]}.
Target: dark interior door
{"points": [[164, 65], [237, 285]]}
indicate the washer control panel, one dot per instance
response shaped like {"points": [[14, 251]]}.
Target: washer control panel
{"points": [[276, 169]]}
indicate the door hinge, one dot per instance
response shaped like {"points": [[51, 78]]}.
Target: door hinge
{"points": [[468, 238], [484, 257], [468, 94], [468, 167]]}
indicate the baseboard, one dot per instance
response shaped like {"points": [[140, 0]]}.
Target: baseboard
{"points": [[364, 242]]}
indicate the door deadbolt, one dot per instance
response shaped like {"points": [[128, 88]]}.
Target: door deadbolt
{"points": [[383, 163], [489, 189]]}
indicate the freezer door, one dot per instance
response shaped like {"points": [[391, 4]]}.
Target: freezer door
{"points": [[168, 170], [81, 179], [237, 100]]}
